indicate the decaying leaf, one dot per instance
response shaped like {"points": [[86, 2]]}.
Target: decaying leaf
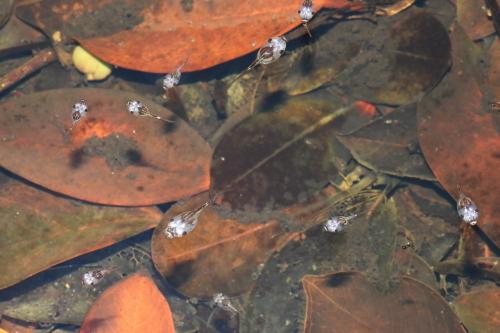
{"points": [[218, 256], [132, 305], [347, 302], [40, 230], [405, 57], [479, 310], [109, 156], [390, 145], [202, 33], [460, 136], [277, 158]]}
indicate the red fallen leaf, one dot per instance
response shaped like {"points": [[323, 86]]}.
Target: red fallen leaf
{"points": [[460, 137], [479, 310], [218, 256], [347, 302], [132, 305], [109, 157], [40, 230], [157, 36], [472, 17]]}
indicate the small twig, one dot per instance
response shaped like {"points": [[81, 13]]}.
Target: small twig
{"points": [[38, 61]]}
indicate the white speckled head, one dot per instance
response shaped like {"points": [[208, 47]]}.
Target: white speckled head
{"points": [[333, 224], [179, 226], [171, 80], [467, 210], [79, 111], [135, 107], [306, 13]]}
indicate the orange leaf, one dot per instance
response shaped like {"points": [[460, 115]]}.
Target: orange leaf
{"points": [[347, 302], [132, 305], [157, 36], [110, 156], [218, 256]]}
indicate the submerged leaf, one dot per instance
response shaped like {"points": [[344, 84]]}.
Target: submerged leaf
{"points": [[200, 33], [460, 136], [109, 156], [494, 70], [364, 245], [132, 305], [347, 302], [401, 62], [425, 216], [218, 256], [318, 63], [277, 158], [471, 15], [479, 310], [390, 145], [40, 230]]}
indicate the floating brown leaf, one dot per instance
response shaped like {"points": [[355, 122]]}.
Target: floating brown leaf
{"points": [[202, 33], [390, 145], [460, 136], [277, 158], [347, 302], [218, 256], [479, 310], [109, 156], [40, 230], [132, 305]]}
